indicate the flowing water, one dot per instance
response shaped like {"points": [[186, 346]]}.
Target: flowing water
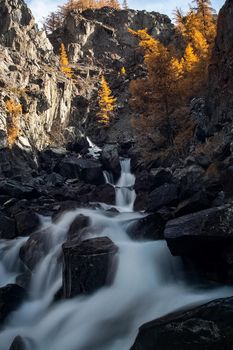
{"points": [[149, 283]]}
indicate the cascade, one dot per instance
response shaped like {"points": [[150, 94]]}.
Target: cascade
{"points": [[149, 283]]}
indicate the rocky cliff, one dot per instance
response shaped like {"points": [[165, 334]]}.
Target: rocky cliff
{"points": [[220, 89], [56, 109]]}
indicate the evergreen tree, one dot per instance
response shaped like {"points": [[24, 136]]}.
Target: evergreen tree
{"points": [[107, 103], [64, 62]]}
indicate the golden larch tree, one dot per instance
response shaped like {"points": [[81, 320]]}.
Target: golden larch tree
{"points": [[107, 103], [64, 62], [13, 121]]}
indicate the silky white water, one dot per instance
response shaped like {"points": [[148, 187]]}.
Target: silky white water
{"points": [[149, 283]]}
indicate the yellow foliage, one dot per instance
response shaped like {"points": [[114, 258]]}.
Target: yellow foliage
{"points": [[123, 71], [190, 59], [64, 62], [107, 103], [13, 129], [147, 42]]}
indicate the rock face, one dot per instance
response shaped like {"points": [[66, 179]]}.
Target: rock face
{"points": [[88, 266], [30, 75], [207, 327], [220, 89]]}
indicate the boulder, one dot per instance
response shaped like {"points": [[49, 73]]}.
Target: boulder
{"points": [[36, 247], [150, 227], [165, 195], [144, 182], [199, 201], [205, 240], [103, 193], [11, 297], [87, 170], [7, 227], [27, 221], [18, 344], [77, 227], [16, 189], [88, 265], [111, 160], [208, 327]]}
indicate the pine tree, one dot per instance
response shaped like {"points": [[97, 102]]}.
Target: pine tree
{"points": [[53, 22], [190, 59], [107, 103], [13, 129], [123, 71], [64, 62], [205, 14]]}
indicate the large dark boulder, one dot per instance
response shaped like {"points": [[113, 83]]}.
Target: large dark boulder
{"points": [[165, 195], [27, 221], [111, 160], [204, 239], [16, 189], [208, 327], [18, 344], [150, 227], [11, 297], [7, 227], [88, 265], [87, 170], [77, 228]]}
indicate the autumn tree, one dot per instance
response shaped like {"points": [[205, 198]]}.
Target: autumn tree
{"points": [[53, 22], [64, 62], [107, 103], [13, 121], [158, 93], [206, 16]]}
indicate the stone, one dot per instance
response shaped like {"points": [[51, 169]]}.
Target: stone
{"points": [[18, 344], [87, 170], [165, 195], [27, 221], [11, 296], [76, 230], [111, 160], [205, 240], [206, 327], [17, 190], [150, 227], [7, 227], [88, 266], [36, 247]]}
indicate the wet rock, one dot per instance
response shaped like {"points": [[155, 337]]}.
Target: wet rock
{"points": [[7, 227], [165, 195], [144, 182], [77, 227], [18, 344], [87, 170], [11, 297], [150, 227], [199, 201], [78, 145], [111, 160], [104, 193], [207, 327], [36, 247], [88, 265], [205, 240], [27, 221], [17, 190]]}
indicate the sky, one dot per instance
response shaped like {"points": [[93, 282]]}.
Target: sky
{"points": [[41, 8]]}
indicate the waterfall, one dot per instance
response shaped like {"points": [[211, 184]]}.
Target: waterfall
{"points": [[149, 283]]}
